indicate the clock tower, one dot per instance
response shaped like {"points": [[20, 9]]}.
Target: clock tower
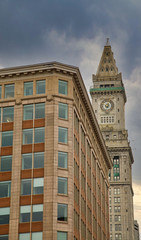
{"points": [[108, 100]]}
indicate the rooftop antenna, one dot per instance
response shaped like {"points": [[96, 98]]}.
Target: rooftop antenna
{"points": [[107, 42]]}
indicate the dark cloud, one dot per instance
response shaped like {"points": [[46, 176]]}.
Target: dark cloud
{"points": [[23, 25]]}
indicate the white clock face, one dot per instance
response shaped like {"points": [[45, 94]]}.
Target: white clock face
{"points": [[107, 105]]}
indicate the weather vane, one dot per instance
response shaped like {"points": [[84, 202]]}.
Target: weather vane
{"points": [[107, 42]]}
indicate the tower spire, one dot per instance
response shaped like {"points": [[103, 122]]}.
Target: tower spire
{"points": [[107, 65]]}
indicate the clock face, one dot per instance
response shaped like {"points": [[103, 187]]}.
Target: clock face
{"points": [[107, 105]]}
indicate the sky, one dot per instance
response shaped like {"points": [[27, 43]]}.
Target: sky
{"points": [[74, 32]]}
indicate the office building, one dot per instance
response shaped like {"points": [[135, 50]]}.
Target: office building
{"points": [[53, 159]]}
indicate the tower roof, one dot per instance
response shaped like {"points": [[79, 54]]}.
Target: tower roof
{"points": [[107, 66]]}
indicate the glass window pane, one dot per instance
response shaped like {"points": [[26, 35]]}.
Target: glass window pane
{"points": [[40, 86], [37, 212], [28, 112], [39, 110], [38, 185], [61, 235], [6, 163], [28, 88], [4, 215], [24, 236], [63, 87], [39, 135], [63, 110], [26, 187], [0, 115], [62, 159], [39, 160], [0, 90], [27, 161], [63, 135], [37, 236], [5, 189], [7, 138], [3, 237], [27, 136], [9, 91], [25, 213], [62, 212], [8, 114], [62, 185]]}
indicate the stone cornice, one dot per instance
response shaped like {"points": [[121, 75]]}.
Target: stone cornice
{"points": [[109, 90], [122, 149], [37, 69]]}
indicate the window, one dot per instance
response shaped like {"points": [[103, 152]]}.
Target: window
{"points": [[37, 236], [37, 212], [7, 139], [109, 174], [63, 110], [4, 215], [110, 227], [116, 168], [117, 227], [63, 135], [118, 236], [23, 236], [8, 114], [39, 135], [39, 160], [27, 161], [110, 218], [107, 137], [107, 119], [117, 199], [62, 212], [110, 200], [5, 189], [39, 110], [6, 163], [62, 236], [40, 87], [27, 136], [25, 213], [62, 159], [117, 209], [26, 187], [116, 191], [28, 88], [3, 237], [0, 91], [110, 209], [38, 184], [117, 218], [9, 91], [63, 87], [62, 185], [28, 112]]}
